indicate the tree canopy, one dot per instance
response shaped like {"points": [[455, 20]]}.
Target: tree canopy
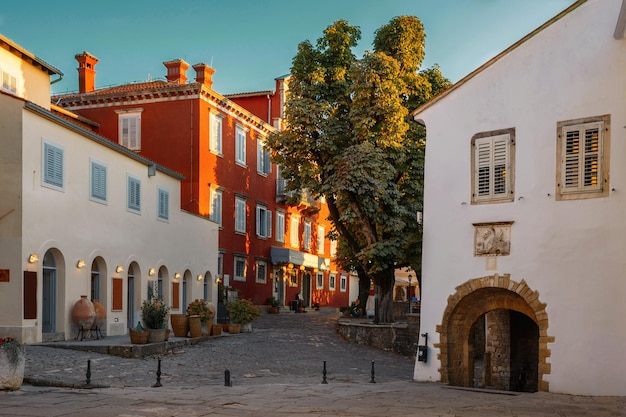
{"points": [[349, 139]]}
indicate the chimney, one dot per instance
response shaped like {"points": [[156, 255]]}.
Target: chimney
{"points": [[176, 71], [204, 74], [86, 72]]}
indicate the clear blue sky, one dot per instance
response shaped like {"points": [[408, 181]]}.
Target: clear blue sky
{"points": [[252, 42]]}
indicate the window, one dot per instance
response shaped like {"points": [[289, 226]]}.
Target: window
{"points": [[163, 204], [240, 215], [319, 282], [321, 233], [220, 264], [343, 284], [263, 222], [307, 236], [294, 223], [333, 248], [261, 272], [130, 129], [134, 194], [280, 227], [9, 83], [216, 206], [52, 166], [215, 135], [582, 152], [264, 165], [240, 145], [240, 268], [98, 182], [492, 166], [332, 282]]}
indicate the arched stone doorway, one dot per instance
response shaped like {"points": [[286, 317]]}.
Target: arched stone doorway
{"points": [[498, 311]]}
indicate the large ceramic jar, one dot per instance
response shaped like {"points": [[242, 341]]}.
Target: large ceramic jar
{"points": [[84, 313], [101, 315]]}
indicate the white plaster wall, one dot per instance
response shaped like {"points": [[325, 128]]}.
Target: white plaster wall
{"points": [[571, 252], [83, 229], [33, 84]]}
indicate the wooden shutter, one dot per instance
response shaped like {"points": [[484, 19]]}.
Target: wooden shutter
{"points": [[582, 158], [30, 295], [175, 295], [53, 165], [118, 290], [492, 166]]}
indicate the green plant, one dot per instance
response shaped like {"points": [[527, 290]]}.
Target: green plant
{"points": [[271, 301], [154, 313], [242, 311], [200, 308], [13, 348]]}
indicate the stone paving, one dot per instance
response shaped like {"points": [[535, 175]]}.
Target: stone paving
{"points": [[276, 370]]}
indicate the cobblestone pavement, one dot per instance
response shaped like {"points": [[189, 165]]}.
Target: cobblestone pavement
{"points": [[276, 371]]}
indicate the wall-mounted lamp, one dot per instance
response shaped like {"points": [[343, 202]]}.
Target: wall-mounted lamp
{"points": [[218, 280], [80, 263], [316, 270], [33, 258], [302, 268], [200, 277], [151, 271], [290, 266], [119, 269], [177, 275]]}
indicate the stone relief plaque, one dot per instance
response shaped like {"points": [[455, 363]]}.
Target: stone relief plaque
{"points": [[492, 239]]}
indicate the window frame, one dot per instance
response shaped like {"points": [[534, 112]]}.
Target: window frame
{"points": [[332, 281], [294, 232], [319, 280], [237, 260], [8, 82], [321, 235], [307, 235], [261, 266], [216, 203], [263, 222], [241, 137], [98, 180], [131, 182], [489, 142], [216, 132], [52, 166], [343, 283], [280, 227], [163, 204], [601, 188], [129, 115], [263, 163], [241, 207]]}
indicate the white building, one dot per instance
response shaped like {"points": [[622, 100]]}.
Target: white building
{"points": [[524, 229], [80, 215]]}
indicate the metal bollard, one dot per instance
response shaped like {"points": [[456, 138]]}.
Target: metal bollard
{"points": [[158, 381], [88, 384], [227, 381], [324, 374], [372, 380]]}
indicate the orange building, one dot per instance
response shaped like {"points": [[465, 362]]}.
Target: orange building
{"points": [[267, 248]]}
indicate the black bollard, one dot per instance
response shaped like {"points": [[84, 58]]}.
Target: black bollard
{"points": [[227, 381], [324, 374], [88, 384], [158, 381], [372, 380]]}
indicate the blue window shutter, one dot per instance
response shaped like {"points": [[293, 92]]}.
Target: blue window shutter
{"points": [[53, 165]]}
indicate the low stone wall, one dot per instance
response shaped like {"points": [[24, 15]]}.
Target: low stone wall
{"points": [[401, 337]]}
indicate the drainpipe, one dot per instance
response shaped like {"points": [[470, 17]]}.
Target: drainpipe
{"points": [[57, 80]]}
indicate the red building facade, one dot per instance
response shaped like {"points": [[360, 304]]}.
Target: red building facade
{"points": [[267, 248]]}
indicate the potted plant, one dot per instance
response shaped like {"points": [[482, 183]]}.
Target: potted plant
{"points": [[199, 312], [154, 314], [272, 302], [242, 312], [12, 360]]}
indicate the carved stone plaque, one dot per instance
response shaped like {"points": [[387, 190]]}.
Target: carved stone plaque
{"points": [[492, 239]]}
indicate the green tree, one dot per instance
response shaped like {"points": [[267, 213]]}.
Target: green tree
{"points": [[349, 139]]}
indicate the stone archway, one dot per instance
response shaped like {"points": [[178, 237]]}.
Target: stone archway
{"points": [[471, 301]]}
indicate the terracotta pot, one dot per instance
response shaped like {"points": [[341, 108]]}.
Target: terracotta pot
{"points": [[273, 310], [234, 328], [195, 326], [180, 324], [101, 315], [225, 327], [12, 368], [84, 313], [156, 335], [167, 334], [216, 329]]}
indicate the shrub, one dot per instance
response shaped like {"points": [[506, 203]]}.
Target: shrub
{"points": [[242, 311], [154, 313], [200, 308]]}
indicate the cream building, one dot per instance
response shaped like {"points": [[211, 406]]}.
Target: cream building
{"points": [[524, 230], [80, 215]]}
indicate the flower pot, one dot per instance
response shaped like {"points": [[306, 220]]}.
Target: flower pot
{"points": [[246, 327], [167, 334], [216, 329], [138, 338], [84, 313], [180, 324], [234, 328], [195, 326], [273, 310], [12, 361], [156, 335], [224, 327]]}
